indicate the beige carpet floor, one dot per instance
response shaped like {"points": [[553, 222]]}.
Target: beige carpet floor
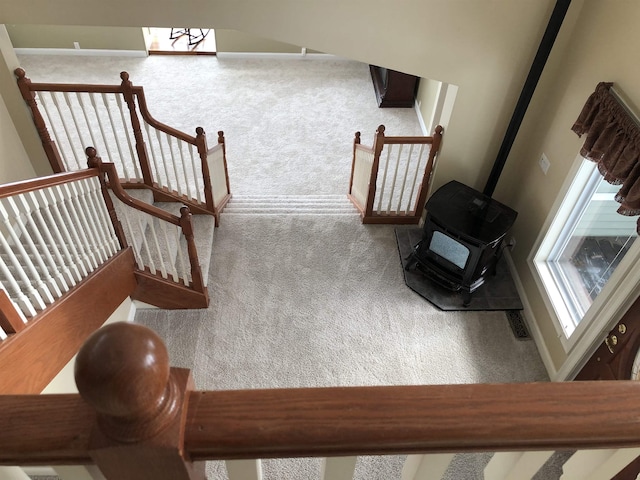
{"points": [[304, 300]]}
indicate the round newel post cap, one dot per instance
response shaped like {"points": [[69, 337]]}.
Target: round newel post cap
{"points": [[19, 72], [124, 76], [123, 372]]}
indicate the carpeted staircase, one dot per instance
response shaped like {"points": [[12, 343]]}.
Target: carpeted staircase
{"points": [[289, 205]]}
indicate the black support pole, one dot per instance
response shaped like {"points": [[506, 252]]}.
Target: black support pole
{"points": [[550, 34]]}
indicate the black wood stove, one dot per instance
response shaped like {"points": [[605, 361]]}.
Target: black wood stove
{"points": [[462, 238]]}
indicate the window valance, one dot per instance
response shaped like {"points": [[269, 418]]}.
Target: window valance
{"points": [[613, 142]]}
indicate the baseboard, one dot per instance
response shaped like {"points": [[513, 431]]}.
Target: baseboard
{"points": [[86, 52], [532, 324], [423, 126], [278, 56]]}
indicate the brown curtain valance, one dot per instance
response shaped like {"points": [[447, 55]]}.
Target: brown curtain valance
{"points": [[613, 142]]}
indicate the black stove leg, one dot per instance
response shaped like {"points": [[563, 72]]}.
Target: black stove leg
{"points": [[466, 298]]}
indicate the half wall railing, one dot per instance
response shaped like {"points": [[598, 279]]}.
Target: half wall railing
{"points": [[390, 180], [160, 428], [145, 152]]}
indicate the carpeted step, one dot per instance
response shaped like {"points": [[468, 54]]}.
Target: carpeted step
{"points": [[290, 205]]}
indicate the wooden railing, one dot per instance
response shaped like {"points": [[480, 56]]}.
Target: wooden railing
{"points": [[57, 243], [175, 165], [158, 427], [390, 185], [169, 274]]}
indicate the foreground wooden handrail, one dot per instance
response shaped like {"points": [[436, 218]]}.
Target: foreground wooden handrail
{"points": [[283, 423], [138, 409]]}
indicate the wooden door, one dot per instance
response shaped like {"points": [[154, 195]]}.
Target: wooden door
{"points": [[614, 360]]}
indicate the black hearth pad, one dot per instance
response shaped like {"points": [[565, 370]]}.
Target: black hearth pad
{"points": [[498, 292]]}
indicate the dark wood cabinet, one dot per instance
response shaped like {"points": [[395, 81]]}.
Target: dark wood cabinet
{"points": [[393, 89]]}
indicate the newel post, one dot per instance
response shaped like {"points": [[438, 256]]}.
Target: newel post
{"points": [[141, 149], [423, 189], [123, 372], [50, 147], [201, 144], [186, 223], [224, 159], [94, 161]]}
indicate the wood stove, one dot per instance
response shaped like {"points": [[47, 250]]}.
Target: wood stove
{"points": [[462, 238]]}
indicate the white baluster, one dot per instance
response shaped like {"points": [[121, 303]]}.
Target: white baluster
{"points": [[404, 178], [45, 271], [244, 469], [91, 219], [415, 179], [43, 236], [63, 220], [395, 177], [78, 472], [79, 96], [426, 467], [3, 335], [132, 237], [171, 158], [338, 468], [74, 268], [105, 141], [161, 258], [96, 217], [13, 473], [185, 170], [185, 267], [155, 164], [196, 176], [515, 465], [115, 138], [130, 143], [597, 464], [40, 294], [23, 301], [66, 131], [145, 244], [67, 99], [79, 222], [96, 201], [163, 227], [384, 178], [162, 157]]}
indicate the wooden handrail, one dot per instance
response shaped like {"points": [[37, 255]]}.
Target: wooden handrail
{"points": [[161, 416], [24, 186], [408, 140], [114, 184], [284, 423], [144, 111]]}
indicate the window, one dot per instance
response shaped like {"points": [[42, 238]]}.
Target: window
{"points": [[586, 242]]}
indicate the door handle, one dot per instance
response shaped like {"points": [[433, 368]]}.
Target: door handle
{"points": [[611, 341]]}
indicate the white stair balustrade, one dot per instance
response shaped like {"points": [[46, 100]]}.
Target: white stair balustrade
{"points": [[55, 224], [51, 251], [39, 253], [80, 235], [16, 255]]}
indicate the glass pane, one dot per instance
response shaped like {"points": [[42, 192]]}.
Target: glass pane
{"points": [[449, 249], [593, 245]]}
